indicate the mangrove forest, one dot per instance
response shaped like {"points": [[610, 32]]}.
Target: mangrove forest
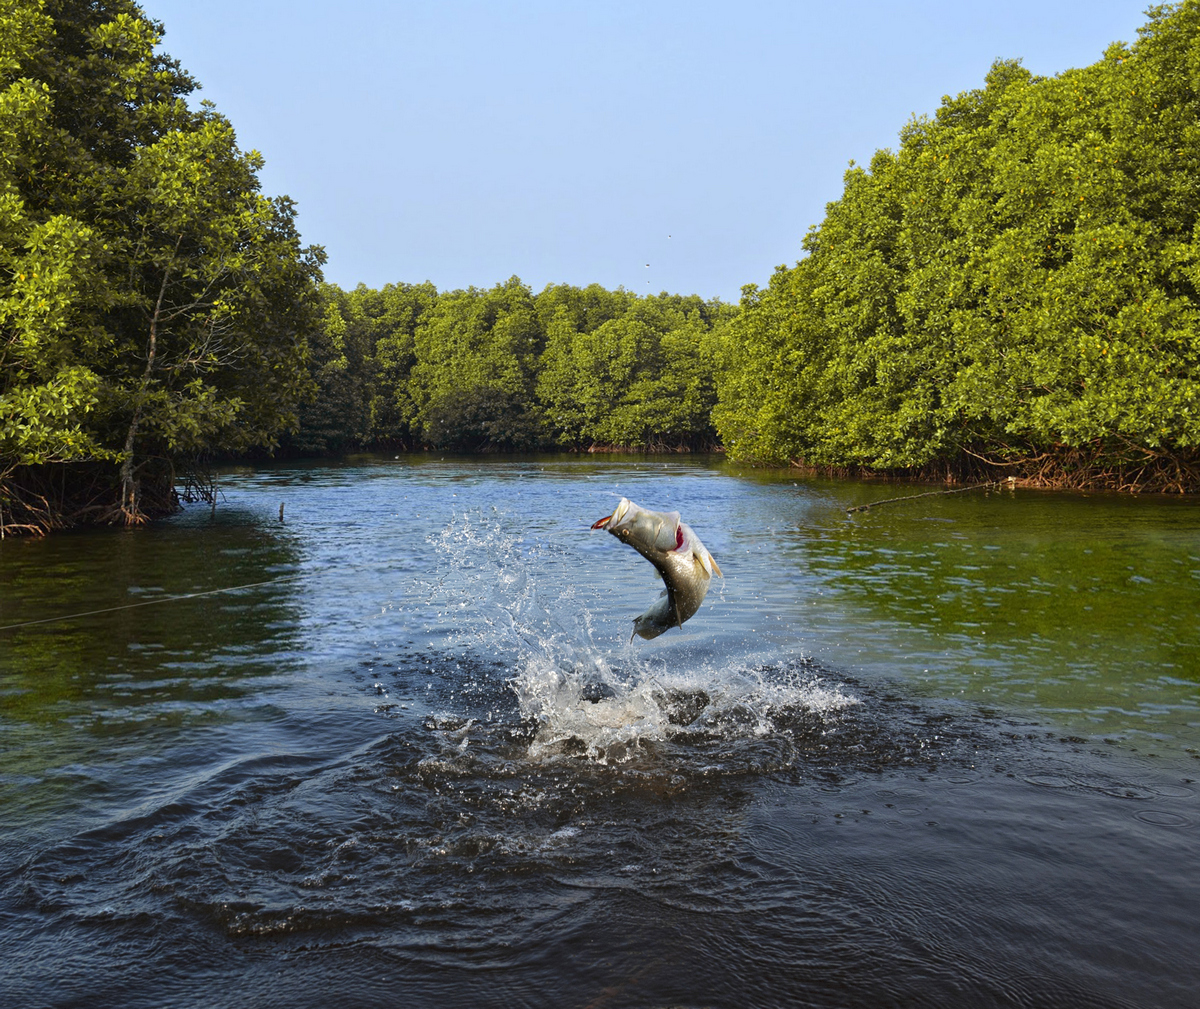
{"points": [[1013, 291]]}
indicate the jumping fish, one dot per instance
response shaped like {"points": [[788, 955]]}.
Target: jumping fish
{"points": [[678, 556]]}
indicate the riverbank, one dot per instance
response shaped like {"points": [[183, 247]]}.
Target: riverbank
{"points": [[39, 500], [1065, 469]]}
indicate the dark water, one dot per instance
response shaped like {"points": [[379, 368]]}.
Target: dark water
{"points": [[938, 754]]}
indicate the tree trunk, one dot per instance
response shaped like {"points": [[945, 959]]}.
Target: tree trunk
{"points": [[129, 512]]}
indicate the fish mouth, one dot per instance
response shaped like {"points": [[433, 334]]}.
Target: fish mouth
{"points": [[616, 516]]}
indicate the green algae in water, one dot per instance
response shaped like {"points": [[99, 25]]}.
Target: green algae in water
{"points": [[1083, 610]]}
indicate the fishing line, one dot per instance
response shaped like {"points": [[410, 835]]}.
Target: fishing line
{"points": [[148, 602], [933, 493]]}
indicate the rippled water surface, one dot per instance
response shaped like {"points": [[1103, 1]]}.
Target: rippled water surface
{"points": [[936, 753]]}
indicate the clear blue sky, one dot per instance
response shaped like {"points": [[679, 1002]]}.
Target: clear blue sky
{"points": [[464, 141]]}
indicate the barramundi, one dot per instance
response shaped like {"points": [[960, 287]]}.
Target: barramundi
{"points": [[678, 556]]}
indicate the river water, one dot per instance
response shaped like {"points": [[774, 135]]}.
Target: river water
{"points": [[936, 753]]}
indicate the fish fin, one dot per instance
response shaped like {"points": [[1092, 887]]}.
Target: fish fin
{"points": [[704, 565], [706, 560]]}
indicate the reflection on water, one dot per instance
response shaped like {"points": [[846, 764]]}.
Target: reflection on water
{"points": [[127, 681], [1081, 609], [427, 766]]}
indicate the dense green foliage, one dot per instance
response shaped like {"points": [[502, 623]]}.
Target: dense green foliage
{"points": [[1016, 288], [504, 369], [154, 305], [1018, 283]]}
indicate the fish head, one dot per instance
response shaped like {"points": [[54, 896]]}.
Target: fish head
{"points": [[648, 531]]}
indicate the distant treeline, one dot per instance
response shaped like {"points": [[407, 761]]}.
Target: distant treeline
{"points": [[1016, 290], [503, 369]]}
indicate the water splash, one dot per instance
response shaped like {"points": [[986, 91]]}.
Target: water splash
{"points": [[606, 701]]}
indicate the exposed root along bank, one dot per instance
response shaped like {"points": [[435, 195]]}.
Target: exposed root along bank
{"points": [[36, 500], [1136, 471], [656, 447]]}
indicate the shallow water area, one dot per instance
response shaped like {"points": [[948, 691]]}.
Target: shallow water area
{"points": [[899, 758]]}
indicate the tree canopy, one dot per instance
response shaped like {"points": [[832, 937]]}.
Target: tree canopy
{"points": [[1014, 289], [1017, 284], [154, 304], [503, 369]]}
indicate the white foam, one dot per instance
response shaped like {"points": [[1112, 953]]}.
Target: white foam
{"points": [[603, 700], [722, 702]]}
